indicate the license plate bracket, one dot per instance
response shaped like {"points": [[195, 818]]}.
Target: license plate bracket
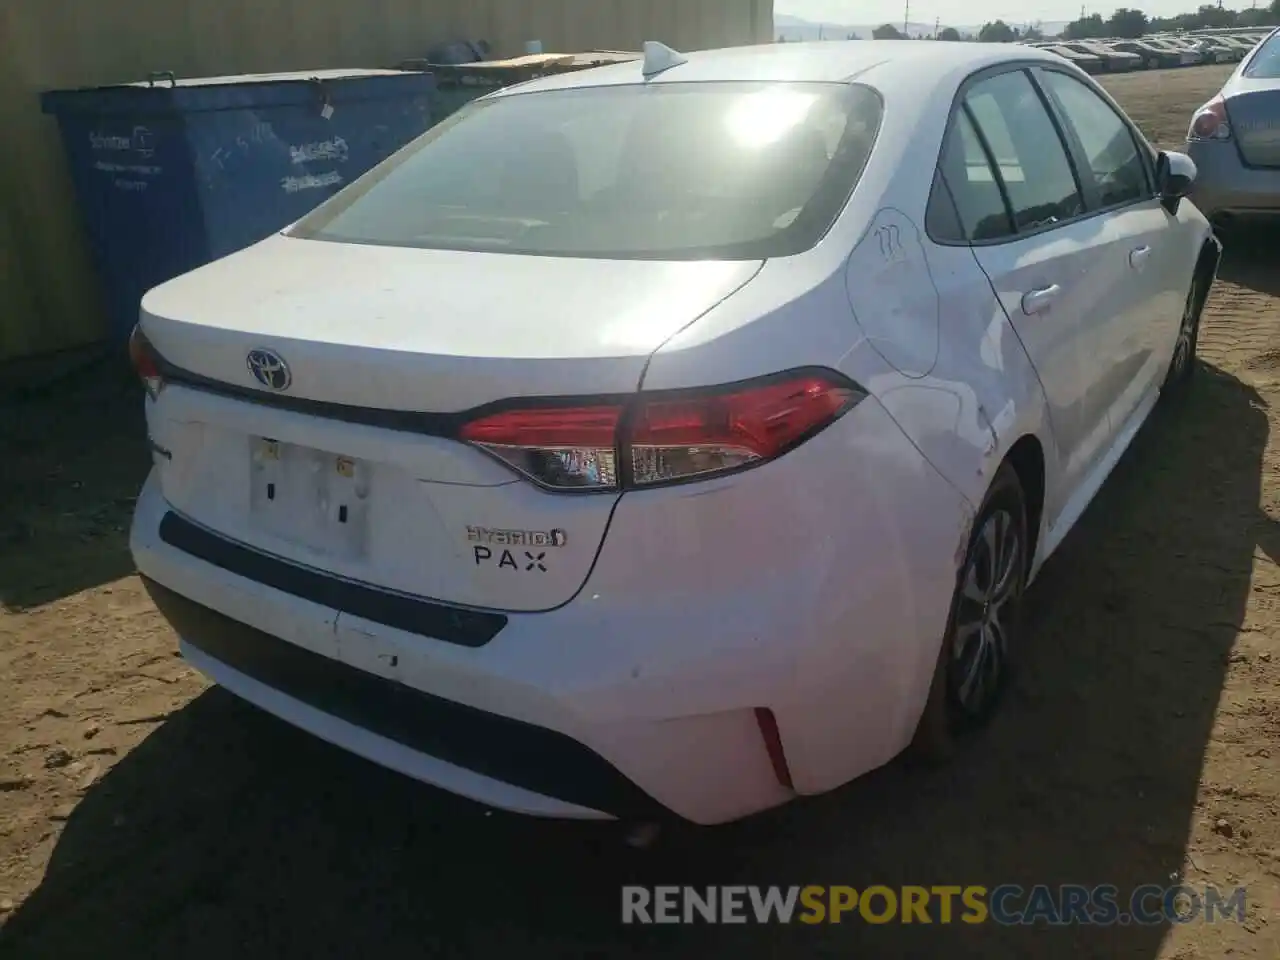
{"points": [[311, 498]]}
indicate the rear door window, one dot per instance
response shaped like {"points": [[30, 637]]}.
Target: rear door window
{"points": [[1027, 149], [967, 199], [1265, 63]]}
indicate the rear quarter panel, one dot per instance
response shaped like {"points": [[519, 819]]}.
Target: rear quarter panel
{"points": [[914, 323], [979, 395]]}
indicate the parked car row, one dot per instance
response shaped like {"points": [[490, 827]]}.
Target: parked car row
{"points": [[1155, 52]]}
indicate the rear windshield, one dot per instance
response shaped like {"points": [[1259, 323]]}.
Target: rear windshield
{"points": [[1265, 63], [668, 171]]}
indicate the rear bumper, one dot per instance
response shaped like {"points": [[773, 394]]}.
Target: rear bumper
{"points": [[639, 696], [483, 755], [1224, 185]]}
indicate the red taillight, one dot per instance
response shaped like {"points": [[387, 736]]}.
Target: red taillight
{"points": [[675, 439], [666, 437], [145, 362], [1211, 122]]}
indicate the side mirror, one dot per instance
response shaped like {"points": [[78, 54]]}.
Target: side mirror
{"points": [[1175, 173]]}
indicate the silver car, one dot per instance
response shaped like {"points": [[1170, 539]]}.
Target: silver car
{"points": [[1216, 51], [1235, 140]]}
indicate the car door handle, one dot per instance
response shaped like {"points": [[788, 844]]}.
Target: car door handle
{"points": [[1038, 301], [1139, 256]]}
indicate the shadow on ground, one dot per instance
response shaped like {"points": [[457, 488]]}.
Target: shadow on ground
{"points": [[227, 834], [1250, 256], [74, 455]]}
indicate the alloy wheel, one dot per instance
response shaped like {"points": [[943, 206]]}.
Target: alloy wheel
{"points": [[989, 591]]}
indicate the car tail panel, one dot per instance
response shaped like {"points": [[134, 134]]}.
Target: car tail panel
{"points": [[424, 516], [308, 399], [1255, 123]]}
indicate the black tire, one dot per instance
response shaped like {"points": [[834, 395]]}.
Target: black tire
{"points": [[951, 713], [1182, 365]]}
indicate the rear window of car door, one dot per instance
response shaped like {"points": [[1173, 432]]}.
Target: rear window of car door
{"points": [[966, 203], [1027, 150], [1115, 164], [1265, 63]]}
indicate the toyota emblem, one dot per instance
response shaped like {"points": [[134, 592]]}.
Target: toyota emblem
{"points": [[269, 369]]}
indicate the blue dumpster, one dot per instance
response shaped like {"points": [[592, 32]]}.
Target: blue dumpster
{"points": [[172, 173]]}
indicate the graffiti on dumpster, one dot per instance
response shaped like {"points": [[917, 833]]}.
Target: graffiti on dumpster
{"points": [[260, 133], [334, 150], [311, 181], [256, 134]]}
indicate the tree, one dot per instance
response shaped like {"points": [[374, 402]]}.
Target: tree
{"points": [[952, 34], [1086, 28], [997, 32], [1212, 16], [887, 31], [1275, 9], [1128, 24], [853, 36], [1032, 35]]}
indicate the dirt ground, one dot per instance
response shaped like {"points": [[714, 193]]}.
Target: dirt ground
{"points": [[144, 814]]}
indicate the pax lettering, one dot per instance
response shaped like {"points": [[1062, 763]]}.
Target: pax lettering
{"points": [[522, 560]]}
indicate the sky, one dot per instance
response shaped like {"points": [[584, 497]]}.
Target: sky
{"points": [[973, 11]]}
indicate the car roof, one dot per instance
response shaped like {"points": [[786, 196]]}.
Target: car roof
{"points": [[881, 62]]}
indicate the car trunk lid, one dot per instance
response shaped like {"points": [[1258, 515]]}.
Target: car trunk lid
{"points": [[1254, 112], [428, 330]]}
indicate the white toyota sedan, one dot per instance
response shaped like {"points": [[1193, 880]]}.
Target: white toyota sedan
{"points": [[674, 437]]}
